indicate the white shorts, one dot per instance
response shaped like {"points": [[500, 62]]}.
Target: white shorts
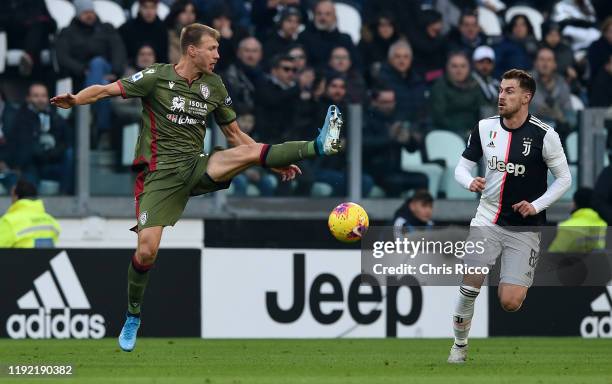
{"points": [[519, 251]]}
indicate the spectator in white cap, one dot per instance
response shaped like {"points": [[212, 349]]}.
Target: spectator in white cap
{"points": [[483, 66]]}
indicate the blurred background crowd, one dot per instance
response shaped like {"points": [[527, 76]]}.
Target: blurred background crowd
{"points": [[415, 67]]}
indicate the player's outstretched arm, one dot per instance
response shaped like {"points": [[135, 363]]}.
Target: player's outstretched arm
{"points": [[88, 95]]}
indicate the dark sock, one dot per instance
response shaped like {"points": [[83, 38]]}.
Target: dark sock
{"points": [[138, 277], [282, 155]]}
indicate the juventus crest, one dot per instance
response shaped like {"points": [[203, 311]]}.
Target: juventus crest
{"points": [[526, 146]]}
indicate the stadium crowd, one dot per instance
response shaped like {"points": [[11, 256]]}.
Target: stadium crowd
{"points": [[418, 66]]}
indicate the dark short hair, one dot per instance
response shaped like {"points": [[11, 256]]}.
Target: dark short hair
{"points": [[192, 34], [583, 197], [333, 77], [545, 48], [375, 93], [25, 190], [37, 84], [423, 196], [515, 19], [458, 52], [276, 60], [526, 82], [467, 13]]}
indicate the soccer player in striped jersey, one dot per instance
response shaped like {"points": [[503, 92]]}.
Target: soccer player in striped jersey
{"points": [[518, 150]]}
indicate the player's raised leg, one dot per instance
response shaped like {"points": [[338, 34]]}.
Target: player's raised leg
{"points": [[462, 316], [224, 165], [138, 277]]}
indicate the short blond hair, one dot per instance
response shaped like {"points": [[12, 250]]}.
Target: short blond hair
{"points": [[192, 34]]}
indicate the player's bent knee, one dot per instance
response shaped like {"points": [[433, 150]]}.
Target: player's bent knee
{"points": [[146, 254], [512, 303]]}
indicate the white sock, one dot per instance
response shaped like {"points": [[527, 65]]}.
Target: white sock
{"points": [[464, 310]]}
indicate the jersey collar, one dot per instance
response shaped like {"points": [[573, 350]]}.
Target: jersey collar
{"points": [[501, 122], [179, 77]]}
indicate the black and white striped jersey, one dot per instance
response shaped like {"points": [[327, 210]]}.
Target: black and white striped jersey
{"points": [[517, 163]]}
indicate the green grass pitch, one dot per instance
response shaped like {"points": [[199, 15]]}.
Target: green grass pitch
{"points": [[495, 360]]}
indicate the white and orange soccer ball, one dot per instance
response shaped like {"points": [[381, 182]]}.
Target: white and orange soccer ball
{"points": [[348, 222]]}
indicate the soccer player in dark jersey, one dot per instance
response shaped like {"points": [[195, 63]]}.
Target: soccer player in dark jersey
{"points": [[518, 150], [176, 102]]}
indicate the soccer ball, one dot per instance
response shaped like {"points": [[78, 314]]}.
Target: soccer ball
{"points": [[348, 222]]}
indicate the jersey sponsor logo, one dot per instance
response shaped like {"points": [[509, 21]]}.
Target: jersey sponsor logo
{"points": [[186, 120], [58, 289], [598, 325], [205, 91], [526, 146], [198, 104], [228, 101], [171, 84], [196, 107], [502, 166], [178, 104], [152, 70], [137, 76], [144, 216], [181, 119]]}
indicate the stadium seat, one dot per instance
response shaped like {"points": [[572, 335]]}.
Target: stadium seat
{"points": [[162, 10], [130, 136], [535, 18], [3, 51], [320, 189], [48, 187], [12, 57], [577, 104], [448, 146], [62, 12], [413, 162], [571, 147], [110, 12], [349, 20], [489, 22]]}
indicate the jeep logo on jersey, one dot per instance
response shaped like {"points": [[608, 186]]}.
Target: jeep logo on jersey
{"points": [[502, 166], [205, 91], [57, 289], [178, 104]]}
